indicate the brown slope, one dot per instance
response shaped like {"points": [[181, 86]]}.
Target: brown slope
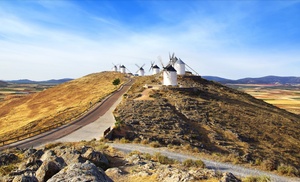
{"points": [[213, 118], [60, 103]]}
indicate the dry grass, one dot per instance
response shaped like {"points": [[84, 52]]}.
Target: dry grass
{"points": [[61, 103]]}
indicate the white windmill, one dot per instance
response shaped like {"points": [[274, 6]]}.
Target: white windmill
{"points": [[122, 69], [114, 68], [140, 71], [178, 64], [155, 68], [169, 74]]}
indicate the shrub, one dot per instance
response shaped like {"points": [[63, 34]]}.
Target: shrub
{"points": [[145, 141], [269, 164], [124, 140], [192, 163], [136, 140], [287, 170], [163, 159], [155, 144]]}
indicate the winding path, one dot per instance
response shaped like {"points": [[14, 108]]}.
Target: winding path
{"points": [[91, 116], [210, 164]]}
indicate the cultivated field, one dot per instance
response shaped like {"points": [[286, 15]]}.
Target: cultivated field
{"points": [[283, 96]]}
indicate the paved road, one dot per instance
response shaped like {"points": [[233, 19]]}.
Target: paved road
{"points": [[65, 130], [219, 166]]}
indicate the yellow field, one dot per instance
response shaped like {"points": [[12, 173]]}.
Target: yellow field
{"points": [[285, 97], [60, 103]]}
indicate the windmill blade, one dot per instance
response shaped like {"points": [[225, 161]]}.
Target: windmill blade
{"points": [[128, 70], [170, 56], [142, 65], [151, 67], [138, 66], [162, 64]]}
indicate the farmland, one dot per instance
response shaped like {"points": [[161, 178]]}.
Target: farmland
{"points": [[283, 96], [21, 90]]}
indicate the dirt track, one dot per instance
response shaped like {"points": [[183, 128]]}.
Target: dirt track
{"points": [[62, 131]]}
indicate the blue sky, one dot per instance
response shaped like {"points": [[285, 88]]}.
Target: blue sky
{"points": [[41, 40]]}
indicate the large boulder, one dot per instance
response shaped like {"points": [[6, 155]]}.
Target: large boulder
{"points": [[97, 158], [47, 170], [81, 172]]}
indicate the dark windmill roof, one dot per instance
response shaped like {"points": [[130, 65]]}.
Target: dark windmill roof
{"points": [[170, 68], [141, 68], [122, 66], [155, 66]]}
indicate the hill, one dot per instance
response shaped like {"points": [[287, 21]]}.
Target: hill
{"points": [[3, 84], [52, 81], [211, 118], [60, 103], [261, 80]]}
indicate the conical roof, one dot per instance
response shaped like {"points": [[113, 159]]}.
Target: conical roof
{"points": [[179, 61], [122, 66], [170, 68], [155, 66]]}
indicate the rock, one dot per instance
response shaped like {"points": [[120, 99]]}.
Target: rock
{"points": [[114, 172], [97, 158], [47, 170], [229, 177], [47, 155], [33, 163], [7, 159], [29, 152], [71, 156], [25, 179], [81, 172]]}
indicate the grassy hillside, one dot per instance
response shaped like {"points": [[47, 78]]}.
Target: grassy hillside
{"points": [[214, 119], [60, 103]]}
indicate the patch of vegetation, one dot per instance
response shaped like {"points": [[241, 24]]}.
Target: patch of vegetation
{"points": [[193, 163], [163, 159]]}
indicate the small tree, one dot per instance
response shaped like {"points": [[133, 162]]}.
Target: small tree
{"points": [[116, 82]]}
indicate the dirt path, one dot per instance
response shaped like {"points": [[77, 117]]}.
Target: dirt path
{"points": [[65, 130], [219, 166]]}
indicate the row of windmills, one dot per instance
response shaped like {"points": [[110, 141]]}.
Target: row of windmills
{"points": [[174, 67]]}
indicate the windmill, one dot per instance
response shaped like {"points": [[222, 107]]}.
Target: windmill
{"points": [[155, 69], [114, 68], [178, 64], [123, 69], [169, 74], [141, 70]]}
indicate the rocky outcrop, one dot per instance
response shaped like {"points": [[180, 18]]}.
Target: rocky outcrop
{"points": [[229, 177], [47, 170], [81, 172], [41, 165]]}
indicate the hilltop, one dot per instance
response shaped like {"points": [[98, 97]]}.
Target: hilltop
{"points": [[211, 118], [63, 102], [52, 81], [262, 80]]}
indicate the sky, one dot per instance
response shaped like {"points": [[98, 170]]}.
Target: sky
{"points": [[53, 39]]}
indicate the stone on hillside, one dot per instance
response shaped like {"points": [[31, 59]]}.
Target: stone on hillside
{"points": [[29, 152], [25, 179], [229, 177], [47, 155], [47, 170], [81, 172], [71, 156], [96, 157], [7, 159]]}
